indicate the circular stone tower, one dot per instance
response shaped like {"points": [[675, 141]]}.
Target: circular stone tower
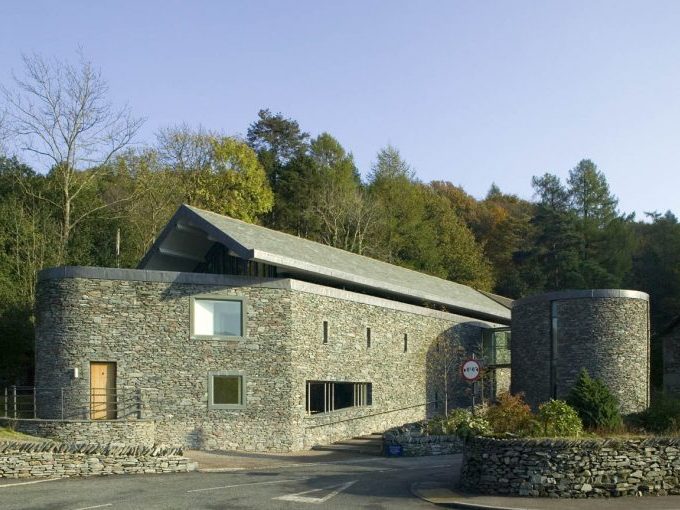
{"points": [[557, 334]]}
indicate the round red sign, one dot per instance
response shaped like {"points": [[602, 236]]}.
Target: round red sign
{"points": [[471, 370]]}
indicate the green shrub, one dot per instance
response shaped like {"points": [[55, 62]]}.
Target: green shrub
{"points": [[460, 422], [559, 419], [467, 424], [511, 414], [436, 426], [663, 416], [595, 404]]}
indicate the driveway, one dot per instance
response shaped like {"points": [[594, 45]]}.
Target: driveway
{"points": [[246, 481]]}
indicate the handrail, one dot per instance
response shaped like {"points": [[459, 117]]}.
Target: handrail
{"points": [[97, 403], [369, 415]]}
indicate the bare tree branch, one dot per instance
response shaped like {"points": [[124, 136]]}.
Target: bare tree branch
{"points": [[60, 113]]}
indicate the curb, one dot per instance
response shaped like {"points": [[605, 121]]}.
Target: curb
{"points": [[440, 495]]}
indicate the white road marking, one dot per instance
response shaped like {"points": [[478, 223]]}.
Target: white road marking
{"points": [[297, 464], [300, 497], [245, 484], [5, 485], [96, 506]]}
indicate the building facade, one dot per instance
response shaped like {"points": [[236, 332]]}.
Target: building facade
{"points": [[556, 335], [233, 336]]}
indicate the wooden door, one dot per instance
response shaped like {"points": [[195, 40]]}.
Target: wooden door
{"points": [[102, 391]]}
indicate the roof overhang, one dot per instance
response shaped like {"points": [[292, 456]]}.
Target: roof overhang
{"points": [[187, 238]]}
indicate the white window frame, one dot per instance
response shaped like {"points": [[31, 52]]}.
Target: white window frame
{"points": [[242, 388], [217, 297]]}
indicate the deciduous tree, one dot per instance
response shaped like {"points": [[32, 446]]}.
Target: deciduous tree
{"points": [[60, 113]]}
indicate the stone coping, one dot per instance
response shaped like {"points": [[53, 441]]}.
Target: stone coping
{"points": [[150, 275], [11, 446], [582, 294], [59, 420], [588, 442]]}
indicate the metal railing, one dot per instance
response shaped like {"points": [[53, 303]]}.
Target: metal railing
{"points": [[30, 402]]}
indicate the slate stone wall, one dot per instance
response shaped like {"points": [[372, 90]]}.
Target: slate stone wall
{"points": [[143, 326], [671, 361], [417, 445], [608, 336], [131, 432], [572, 468], [54, 460], [405, 384]]}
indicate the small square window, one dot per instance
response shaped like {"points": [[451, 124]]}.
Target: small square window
{"points": [[217, 318], [226, 390]]}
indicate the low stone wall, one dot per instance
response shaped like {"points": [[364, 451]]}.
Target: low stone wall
{"points": [[131, 432], [572, 468], [415, 445], [20, 459]]}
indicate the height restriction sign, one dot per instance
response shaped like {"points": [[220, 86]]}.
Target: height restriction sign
{"points": [[471, 370]]}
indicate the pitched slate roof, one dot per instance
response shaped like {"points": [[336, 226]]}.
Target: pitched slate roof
{"points": [[180, 247]]}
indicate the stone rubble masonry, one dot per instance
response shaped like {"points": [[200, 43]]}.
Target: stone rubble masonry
{"points": [[603, 331], [137, 432], [561, 468], [419, 445], [671, 361], [19, 459], [141, 321]]}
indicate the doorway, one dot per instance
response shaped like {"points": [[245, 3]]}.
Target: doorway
{"points": [[103, 390]]}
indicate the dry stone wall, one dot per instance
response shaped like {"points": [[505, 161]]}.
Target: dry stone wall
{"points": [[132, 432], [55, 460], [420, 445], [572, 468]]}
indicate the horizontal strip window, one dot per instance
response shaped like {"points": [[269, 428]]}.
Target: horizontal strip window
{"points": [[327, 396]]}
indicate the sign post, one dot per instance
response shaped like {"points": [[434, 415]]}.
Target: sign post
{"points": [[471, 370]]}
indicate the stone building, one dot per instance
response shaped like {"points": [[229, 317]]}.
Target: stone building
{"points": [[231, 335], [669, 337], [605, 331]]}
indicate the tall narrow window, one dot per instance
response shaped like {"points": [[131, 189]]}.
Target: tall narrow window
{"points": [[325, 332], [368, 338], [405, 342]]}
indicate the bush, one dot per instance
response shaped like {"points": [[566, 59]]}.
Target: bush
{"points": [[460, 422], [559, 419], [663, 416], [511, 414], [467, 424], [437, 426], [595, 404]]}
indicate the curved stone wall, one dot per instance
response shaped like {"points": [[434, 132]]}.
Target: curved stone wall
{"points": [[561, 468], [555, 335]]}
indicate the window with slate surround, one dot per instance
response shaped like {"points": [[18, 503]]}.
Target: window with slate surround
{"points": [[218, 317]]}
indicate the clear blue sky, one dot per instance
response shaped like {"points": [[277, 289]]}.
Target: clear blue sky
{"points": [[471, 92]]}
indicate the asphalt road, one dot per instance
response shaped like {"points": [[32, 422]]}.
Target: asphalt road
{"points": [[361, 482]]}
